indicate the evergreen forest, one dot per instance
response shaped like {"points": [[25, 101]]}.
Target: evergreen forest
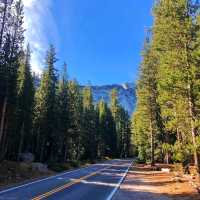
{"points": [[166, 122], [56, 120]]}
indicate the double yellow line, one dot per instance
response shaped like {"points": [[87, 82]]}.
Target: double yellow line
{"points": [[47, 194]]}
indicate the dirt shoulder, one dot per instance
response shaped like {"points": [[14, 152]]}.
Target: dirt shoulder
{"points": [[143, 185], [14, 173]]}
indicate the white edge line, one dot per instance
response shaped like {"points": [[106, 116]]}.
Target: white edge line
{"points": [[118, 184], [44, 179], [50, 177], [98, 171]]}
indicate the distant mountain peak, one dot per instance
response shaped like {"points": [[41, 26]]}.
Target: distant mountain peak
{"points": [[125, 86], [126, 94]]}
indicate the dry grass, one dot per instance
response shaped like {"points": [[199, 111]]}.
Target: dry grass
{"points": [[15, 172]]}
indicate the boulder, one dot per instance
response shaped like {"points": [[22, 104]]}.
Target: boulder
{"points": [[39, 167], [167, 170]]}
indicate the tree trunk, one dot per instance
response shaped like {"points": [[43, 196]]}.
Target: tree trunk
{"points": [[42, 151], [196, 160], [3, 115], [3, 22], [38, 140], [191, 107], [167, 157], [178, 135], [4, 145], [193, 130], [152, 144], [65, 153], [21, 142], [78, 149]]}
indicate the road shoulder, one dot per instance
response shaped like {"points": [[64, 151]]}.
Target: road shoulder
{"points": [[143, 185]]}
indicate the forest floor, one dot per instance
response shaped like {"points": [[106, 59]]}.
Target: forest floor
{"points": [[142, 184], [12, 173]]}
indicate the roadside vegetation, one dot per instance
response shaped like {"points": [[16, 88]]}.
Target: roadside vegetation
{"points": [[51, 119], [50, 122], [166, 122]]}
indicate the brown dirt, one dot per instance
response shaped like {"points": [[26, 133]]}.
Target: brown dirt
{"points": [[142, 184], [12, 173]]}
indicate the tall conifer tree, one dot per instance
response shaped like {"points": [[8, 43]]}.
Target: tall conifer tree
{"points": [[75, 106], [11, 40], [62, 115], [89, 126], [45, 109], [174, 35], [25, 100]]}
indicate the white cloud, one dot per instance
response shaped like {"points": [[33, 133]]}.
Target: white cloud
{"points": [[40, 30]]}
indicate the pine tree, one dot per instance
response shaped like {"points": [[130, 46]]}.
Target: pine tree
{"points": [[115, 109], [62, 116], [25, 97], [147, 105], [125, 133], [107, 138], [45, 110], [101, 109], [122, 133], [174, 35], [11, 40], [75, 120], [89, 125]]}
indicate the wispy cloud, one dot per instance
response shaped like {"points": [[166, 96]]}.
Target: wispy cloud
{"points": [[40, 30]]}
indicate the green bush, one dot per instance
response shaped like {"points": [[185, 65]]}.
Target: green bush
{"points": [[139, 161], [75, 163], [59, 167], [181, 152]]}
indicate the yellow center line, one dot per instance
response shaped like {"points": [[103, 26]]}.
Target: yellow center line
{"points": [[47, 194]]}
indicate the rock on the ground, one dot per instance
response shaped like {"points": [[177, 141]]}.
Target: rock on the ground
{"points": [[39, 167]]}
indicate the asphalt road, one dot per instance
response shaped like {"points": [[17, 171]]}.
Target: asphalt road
{"points": [[96, 182]]}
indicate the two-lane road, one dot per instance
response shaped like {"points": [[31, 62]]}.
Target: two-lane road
{"points": [[96, 182]]}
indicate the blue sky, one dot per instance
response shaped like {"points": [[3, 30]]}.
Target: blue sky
{"points": [[100, 40]]}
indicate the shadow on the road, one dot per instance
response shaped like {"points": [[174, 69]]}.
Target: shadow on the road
{"points": [[155, 186]]}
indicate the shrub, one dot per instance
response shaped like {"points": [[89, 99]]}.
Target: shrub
{"points": [[59, 167]]}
